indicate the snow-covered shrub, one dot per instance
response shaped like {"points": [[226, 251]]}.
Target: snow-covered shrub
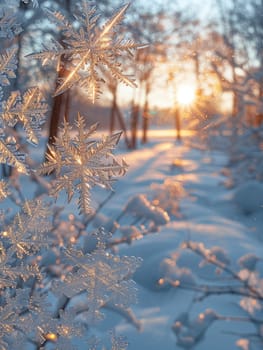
{"points": [[243, 145], [168, 195], [53, 287], [243, 279], [147, 216], [245, 156], [138, 218], [140, 207]]}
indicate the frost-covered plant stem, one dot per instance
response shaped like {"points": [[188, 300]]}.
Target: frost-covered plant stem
{"points": [[246, 289], [213, 290]]}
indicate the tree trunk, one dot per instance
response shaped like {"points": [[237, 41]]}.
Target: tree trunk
{"points": [[116, 112], [54, 119], [59, 101], [145, 116], [66, 105], [134, 124], [260, 92], [235, 95], [123, 126], [197, 72], [145, 123], [113, 108], [178, 124]]}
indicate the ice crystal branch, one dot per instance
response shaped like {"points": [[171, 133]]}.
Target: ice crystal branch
{"points": [[8, 63], [29, 110], [10, 273], [81, 163], [4, 191], [26, 233], [10, 154], [89, 50], [9, 27], [116, 343], [106, 278]]}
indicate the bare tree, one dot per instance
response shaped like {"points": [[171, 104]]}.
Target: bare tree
{"points": [[61, 102], [156, 34]]}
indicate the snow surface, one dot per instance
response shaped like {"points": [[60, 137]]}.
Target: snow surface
{"points": [[202, 209], [228, 219]]}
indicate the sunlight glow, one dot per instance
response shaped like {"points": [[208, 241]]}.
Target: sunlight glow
{"points": [[51, 336], [185, 94]]}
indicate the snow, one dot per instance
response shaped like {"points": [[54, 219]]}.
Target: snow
{"points": [[249, 197], [196, 207], [211, 214]]}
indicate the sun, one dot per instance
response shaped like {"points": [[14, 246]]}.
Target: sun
{"points": [[185, 94]]}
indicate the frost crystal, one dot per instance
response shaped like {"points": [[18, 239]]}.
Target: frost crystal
{"points": [[7, 320], [81, 163], [89, 50], [29, 110], [3, 190], [8, 63], [118, 342], [105, 277], [10, 154], [9, 27], [10, 274], [26, 233], [7, 273]]}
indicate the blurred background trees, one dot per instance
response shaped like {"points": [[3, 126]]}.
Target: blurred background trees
{"points": [[218, 56]]}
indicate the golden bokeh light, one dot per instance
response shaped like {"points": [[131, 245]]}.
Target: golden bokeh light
{"points": [[185, 94]]}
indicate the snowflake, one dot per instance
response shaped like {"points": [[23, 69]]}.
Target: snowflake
{"points": [[105, 277], [9, 27], [13, 317], [4, 191], [81, 163], [7, 321], [45, 327], [29, 110], [26, 233], [10, 273], [116, 343], [8, 65], [89, 50], [10, 154]]}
